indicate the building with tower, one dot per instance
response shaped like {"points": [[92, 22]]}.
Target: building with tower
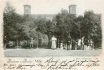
{"points": [[27, 9], [72, 10]]}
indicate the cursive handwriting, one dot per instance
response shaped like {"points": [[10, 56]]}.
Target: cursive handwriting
{"points": [[50, 64]]}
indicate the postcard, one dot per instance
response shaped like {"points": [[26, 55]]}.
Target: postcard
{"points": [[51, 35]]}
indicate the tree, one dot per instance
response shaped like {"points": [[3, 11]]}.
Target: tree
{"points": [[79, 21], [12, 22], [28, 27], [45, 27], [91, 27], [66, 25]]}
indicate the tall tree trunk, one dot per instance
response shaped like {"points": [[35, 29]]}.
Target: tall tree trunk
{"points": [[17, 44], [49, 42]]}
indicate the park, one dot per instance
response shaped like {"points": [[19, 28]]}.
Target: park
{"points": [[29, 34]]}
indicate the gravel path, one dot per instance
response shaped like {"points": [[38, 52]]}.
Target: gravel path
{"points": [[49, 52]]}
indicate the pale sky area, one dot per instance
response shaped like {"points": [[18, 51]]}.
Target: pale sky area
{"points": [[55, 6]]}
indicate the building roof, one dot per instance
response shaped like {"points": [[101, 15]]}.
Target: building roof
{"points": [[26, 5], [47, 16], [43, 15]]}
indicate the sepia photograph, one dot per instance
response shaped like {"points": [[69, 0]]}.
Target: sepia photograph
{"points": [[51, 28]]}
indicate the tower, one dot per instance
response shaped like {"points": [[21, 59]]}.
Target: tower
{"points": [[72, 10], [27, 9]]}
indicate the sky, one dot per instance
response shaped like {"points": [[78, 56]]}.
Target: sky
{"points": [[55, 6]]}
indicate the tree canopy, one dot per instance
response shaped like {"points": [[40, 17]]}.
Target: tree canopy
{"points": [[12, 23], [63, 26]]}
